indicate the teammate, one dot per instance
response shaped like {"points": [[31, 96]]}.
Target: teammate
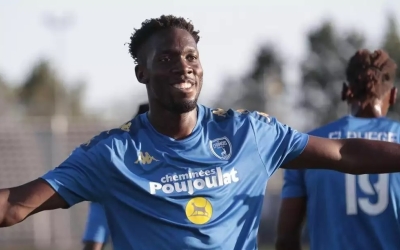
{"points": [[347, 211], [96, 234], [184, 176]]}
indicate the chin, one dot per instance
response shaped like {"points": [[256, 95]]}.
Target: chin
{"points": [[183, 106]]}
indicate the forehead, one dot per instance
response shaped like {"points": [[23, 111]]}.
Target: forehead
{"points": [[173, 39]]}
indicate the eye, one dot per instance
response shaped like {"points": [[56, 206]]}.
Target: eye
{"points": [[164, 59], [191, 58]]}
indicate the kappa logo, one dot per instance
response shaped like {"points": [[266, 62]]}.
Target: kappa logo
{"points": [[221, 148], [145, 158]]}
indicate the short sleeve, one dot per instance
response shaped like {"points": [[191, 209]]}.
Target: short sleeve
{"points": [[96, 225], [293, 184], [79, 177], [277, 143]]}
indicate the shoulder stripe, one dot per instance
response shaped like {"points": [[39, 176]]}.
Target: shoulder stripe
{"points": [[126, 127]]}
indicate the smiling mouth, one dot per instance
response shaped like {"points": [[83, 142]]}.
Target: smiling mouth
{"points": [[183, 85]]}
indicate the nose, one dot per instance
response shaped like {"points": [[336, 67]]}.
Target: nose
{"points": [[182, 68]]}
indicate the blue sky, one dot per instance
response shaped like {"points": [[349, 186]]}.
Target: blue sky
{"points": [[230, 33]]}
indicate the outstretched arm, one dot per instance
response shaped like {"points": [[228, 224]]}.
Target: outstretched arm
{"points": [[17, 203], [78, 178], [353, 156]]}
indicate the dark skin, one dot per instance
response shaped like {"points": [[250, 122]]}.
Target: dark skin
{"points": [[90, 245], [292, 213], [169, 57]]}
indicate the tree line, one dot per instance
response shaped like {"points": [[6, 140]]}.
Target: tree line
{"points": [[316, 95]]}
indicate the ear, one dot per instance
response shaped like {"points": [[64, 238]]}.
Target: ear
{"points": [[141, 75], [345, 91], [393, 96]]}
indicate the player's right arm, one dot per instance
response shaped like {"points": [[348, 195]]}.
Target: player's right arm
{"points": [[17, 203], [96, 233], [292, 212], [77, 179]]}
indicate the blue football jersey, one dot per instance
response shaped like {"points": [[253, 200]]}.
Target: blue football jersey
{"points": [[347, 211], [96, 225], [203, 192]]}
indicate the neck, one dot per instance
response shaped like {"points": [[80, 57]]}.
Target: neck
{"points": [[366, 110], [176, 126]]}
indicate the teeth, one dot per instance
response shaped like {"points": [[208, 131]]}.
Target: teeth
{"points": [[184, 85]]}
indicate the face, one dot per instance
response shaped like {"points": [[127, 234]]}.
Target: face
{"points": [[171, 70]]}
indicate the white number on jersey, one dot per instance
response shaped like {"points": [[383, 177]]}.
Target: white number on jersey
{"points": [[380, 189]]}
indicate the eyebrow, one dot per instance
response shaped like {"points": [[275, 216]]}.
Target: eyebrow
{"points": [[175, 51]]}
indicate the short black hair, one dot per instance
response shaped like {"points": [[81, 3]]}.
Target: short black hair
{"points": [[370, 74], [152, 26]]}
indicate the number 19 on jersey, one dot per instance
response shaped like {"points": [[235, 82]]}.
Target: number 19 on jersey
{"points": [[379, 189]]}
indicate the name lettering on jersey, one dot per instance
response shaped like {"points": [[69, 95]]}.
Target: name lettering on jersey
{"points": [[221, 148], [194, 180], [381, 136], [145, 158]]}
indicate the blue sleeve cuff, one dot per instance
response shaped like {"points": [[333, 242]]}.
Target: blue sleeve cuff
{"points": [[298, 147], [67, 195]]}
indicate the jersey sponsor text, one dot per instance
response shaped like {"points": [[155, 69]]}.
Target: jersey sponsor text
{"points": [[193, 180]]}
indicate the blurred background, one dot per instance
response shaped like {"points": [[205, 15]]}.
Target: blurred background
{"points": [[65, 75]]}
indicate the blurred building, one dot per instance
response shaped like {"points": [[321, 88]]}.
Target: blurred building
{"points": [[26, 153]]}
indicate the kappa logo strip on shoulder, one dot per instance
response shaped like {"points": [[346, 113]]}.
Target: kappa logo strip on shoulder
{"points": [[265, 115], [219, 112], [105, 134]]}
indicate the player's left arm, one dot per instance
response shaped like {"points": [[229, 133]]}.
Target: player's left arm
{"points": [[353, 156], [280, 145]]}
